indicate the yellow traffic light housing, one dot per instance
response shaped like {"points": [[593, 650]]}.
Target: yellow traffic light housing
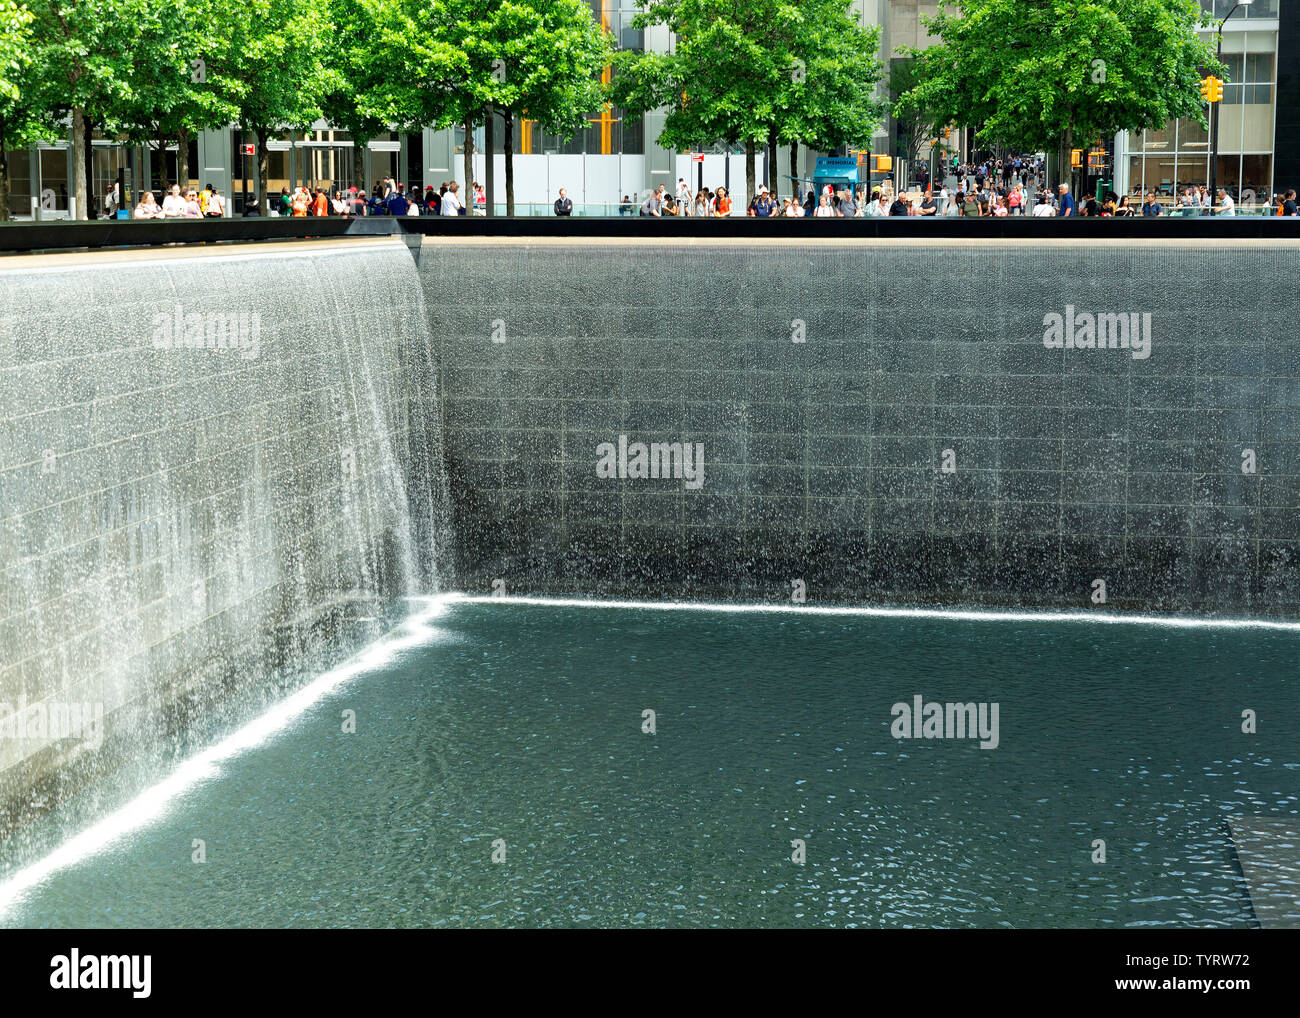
{"points": [[1212, 89], [1076, 157]]}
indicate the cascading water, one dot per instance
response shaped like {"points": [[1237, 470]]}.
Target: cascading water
{"points": [[219, 472]]}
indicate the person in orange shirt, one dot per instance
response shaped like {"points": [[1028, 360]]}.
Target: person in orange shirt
{"points": [[320, 205], [723, 204], [300, 203]]}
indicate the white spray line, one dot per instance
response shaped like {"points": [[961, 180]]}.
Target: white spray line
{"points": [[117, 258], [413, 631], [958, 614]]}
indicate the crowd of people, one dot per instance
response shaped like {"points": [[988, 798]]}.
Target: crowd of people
{"points": [[207, 203], [994, 187], [1012, 186], [388, 198]]}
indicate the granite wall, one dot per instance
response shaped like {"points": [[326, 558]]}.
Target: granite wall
{"points": [[210, 461], [885, 421]]}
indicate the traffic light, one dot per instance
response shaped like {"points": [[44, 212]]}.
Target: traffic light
{"points": [[947, 132], [1076, 157], [883, 163], [1212, 89]]}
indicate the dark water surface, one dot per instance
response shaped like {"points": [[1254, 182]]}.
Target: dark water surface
{"points": [[524, 723]]}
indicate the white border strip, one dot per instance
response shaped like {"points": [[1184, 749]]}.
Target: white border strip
{"points": [[122, 257], [960, 614], [414, 631]]}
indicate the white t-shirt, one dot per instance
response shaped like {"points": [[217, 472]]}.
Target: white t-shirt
{"points": [[174, 205], [1043, 210], [1228, 206], [451, 204]]}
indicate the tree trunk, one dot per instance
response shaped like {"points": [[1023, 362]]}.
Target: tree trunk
{"points": [[4, 182], [750, 159], [772, 174], [263, 167], [467, 185], [79, 183], [508, 119], [359, 163], [183, 160], [1066, 171], [90, 166], [489, 159], [794, 167]]}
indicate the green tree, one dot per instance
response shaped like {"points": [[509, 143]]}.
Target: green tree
{"points": [[917, 123], [756, 71], [21, 121], [426, 74], [475, 60], [173, 93], [267, 62], [837, 106], [1041, 76], [361, 77], [83, 62]]}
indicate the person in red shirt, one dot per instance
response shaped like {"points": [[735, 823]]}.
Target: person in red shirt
{"points": [[320, 205]]}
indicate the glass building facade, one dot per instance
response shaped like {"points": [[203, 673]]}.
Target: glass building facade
{"points": [[1169, 160]]}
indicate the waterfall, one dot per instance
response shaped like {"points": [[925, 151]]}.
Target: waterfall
{"points": [[219, 471]]}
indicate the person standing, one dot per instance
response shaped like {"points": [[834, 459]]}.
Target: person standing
{"points": [[216, 204], [451, 203], [563, 204], [1227, 207], [1067, 201]]}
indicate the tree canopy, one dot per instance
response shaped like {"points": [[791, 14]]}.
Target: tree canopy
{"points": [[756, 71], [1042, 75]]}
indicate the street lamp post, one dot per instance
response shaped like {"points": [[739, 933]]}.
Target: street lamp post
{"points": [[1216, 114]]}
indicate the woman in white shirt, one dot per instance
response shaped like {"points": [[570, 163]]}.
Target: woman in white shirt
{"points": [[173, 206], [823, 210], [451, 205]]}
